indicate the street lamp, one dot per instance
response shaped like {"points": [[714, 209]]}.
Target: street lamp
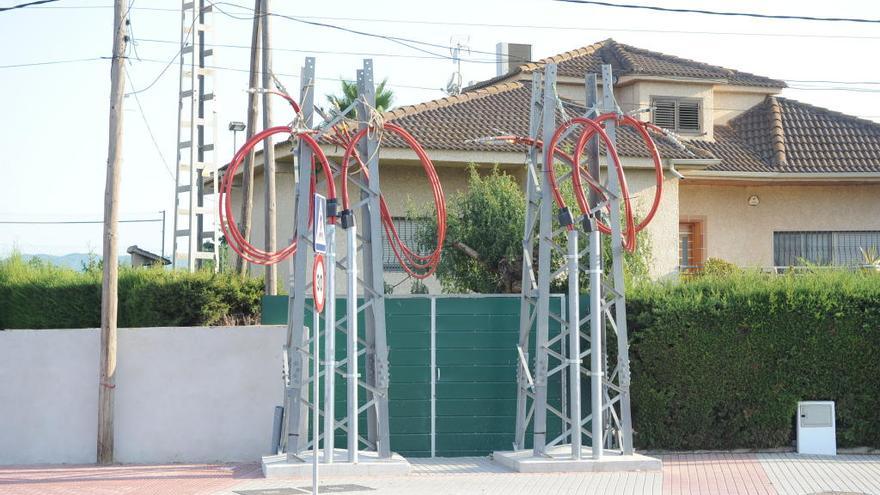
{"points": [[235, 126]]}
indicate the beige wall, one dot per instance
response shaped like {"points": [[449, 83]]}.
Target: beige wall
{"points": [[405, 187], [743, 234], [720, 102], [729, 104], [638, 95]]}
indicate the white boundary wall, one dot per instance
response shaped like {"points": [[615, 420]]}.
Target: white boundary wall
{"points": [[195, 394]]}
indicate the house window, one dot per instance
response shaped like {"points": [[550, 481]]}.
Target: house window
{"points": [[690, 246], [407, 231], [840, 248], [677, 114]]}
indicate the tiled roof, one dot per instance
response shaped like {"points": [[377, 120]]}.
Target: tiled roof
{"points": [[454, 123], [787, 136], [627, 60]]}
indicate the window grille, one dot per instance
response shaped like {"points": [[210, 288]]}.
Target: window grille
{"points": [[838, 248], [677, 114], [407, 230]]}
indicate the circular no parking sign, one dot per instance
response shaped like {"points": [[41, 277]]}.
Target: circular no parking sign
{"points": [[319, 284]]}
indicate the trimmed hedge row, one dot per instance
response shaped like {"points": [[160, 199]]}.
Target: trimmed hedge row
{"points": [[38, 295], [720, 363]]}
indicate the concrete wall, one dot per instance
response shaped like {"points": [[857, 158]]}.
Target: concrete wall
{"points": [[183, 394], [743, 234]]}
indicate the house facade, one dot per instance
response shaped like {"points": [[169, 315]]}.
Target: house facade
{"points": [[762, 181]]}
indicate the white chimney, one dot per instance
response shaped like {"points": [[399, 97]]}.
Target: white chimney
{"points": [[509, 56]]}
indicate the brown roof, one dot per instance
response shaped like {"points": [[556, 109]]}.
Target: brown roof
{"points": [[627, 60], [454, 123], [787, 136]]}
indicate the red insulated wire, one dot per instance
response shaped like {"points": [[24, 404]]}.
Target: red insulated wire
{"points": [[416, 265], [640, 128], [655, 156], [593, 183], [591, 127], [234, 238], [290, 100]]}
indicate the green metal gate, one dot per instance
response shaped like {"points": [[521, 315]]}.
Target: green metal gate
{"points": [[453, 371]]}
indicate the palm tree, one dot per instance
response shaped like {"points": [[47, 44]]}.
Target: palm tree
{"points": [[384, 97]]}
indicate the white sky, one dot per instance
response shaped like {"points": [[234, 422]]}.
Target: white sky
{"points": [[54, 117]]}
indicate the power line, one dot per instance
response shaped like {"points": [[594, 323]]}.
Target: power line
{"points": [[52, 62], [723, 13], [170, 61], [407, 86], [149, 129], [522, 26], [296, 76], [400, 55], [407, 42], [57, 222], [519, 26], [90, 7], [324, 52], [28, 4]]}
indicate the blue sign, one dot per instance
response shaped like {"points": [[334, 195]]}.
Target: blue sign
{"points": [[319, 225]]}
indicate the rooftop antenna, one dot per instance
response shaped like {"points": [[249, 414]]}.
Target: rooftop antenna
{"points": [[453, 87]]}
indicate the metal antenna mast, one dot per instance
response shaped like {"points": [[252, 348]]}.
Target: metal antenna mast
{"points": [[454, 85], [195, 208], [557, 336]]}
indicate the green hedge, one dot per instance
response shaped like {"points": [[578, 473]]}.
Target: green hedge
{"points": [[38, 295], [720, 363]]}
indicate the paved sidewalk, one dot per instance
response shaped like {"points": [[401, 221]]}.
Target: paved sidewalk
{"points": [[685, 474]]}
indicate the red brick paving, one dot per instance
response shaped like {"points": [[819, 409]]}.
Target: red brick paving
{"points": [[173, 479], [715, 474]]}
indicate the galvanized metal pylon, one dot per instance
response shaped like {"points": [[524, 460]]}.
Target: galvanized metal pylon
{"points": [[195, 204], [560, 354], [365, 296]]}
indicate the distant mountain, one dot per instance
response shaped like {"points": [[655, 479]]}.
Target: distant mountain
{"points": [[72, 260]]}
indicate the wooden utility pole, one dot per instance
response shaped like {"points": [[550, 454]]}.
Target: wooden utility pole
{"points": [[247, 176], [268, 154], [109, 301]]}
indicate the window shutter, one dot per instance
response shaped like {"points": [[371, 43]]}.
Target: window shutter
{"points": [[664, 114], [689, 116]]}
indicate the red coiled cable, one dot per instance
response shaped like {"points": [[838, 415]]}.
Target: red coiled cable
{"points": [[233, 235], [416, 265]]}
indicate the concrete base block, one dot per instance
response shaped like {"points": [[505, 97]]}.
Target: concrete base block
{"points": [[559, 460], [369, 464]]}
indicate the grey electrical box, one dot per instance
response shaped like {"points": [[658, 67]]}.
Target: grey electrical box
{"points": [[817, 415], [816, 428]]}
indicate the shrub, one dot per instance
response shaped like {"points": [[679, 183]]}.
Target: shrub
{"points": [[40, 295], [720, 363], [485, 225], [717, 267]]}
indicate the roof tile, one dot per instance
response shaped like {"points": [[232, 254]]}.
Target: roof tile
{"points": [[813, 140], [455, 123]]}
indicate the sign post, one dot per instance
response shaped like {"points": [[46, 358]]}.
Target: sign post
{"points": [[319, 290]]}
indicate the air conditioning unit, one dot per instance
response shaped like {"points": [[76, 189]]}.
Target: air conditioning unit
{"points": [[816, 428]]}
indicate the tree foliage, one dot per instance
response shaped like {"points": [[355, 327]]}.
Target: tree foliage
{"points": [[485, 225], [349, 93]]}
